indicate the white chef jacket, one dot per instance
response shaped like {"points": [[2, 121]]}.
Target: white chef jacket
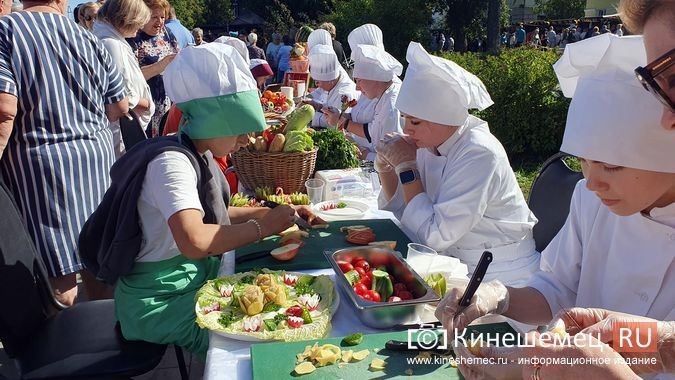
{"points": [[620, 263], [471, 203], [387, 118], [136, 86], [344, 86]]}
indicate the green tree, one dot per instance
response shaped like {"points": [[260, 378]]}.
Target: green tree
{"points": [[277, 17], [468, 19], [189, 12], [218, 12], [560, 9]]}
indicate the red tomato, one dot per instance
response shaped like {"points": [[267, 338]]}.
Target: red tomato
{"points": [[367, 281], [405, 295], [374, 295], [366, 296], [345, 266], [295, 310], [399, 287], [294, 322], [360, 271], [360, 288], [362, 264]]}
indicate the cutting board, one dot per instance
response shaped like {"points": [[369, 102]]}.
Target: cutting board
{"points": [[278, 360], [311, 255]]}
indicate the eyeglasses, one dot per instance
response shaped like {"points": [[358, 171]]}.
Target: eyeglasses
{"points": [[89, 18], [655, 72]]}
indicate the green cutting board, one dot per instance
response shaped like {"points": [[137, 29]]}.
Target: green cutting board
{"points": [[311, 255], [278, 360]]}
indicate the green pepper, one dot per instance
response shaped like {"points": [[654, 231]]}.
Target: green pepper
{"points": [[382, 284], [352, 340], [270, 325]]}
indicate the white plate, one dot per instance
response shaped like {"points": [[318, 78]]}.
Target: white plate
{"points": [[353, 210], [247, 338]]}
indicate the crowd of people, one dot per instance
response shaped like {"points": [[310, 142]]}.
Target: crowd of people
{"points": [[64, 86]]}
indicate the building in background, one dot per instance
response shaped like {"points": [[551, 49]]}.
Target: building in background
{"points": [[599, 8], [522, 11]]}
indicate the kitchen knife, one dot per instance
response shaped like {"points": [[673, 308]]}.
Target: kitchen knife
{"points": [[298, 220], [439, 345], [251, 256], [475, 281]]}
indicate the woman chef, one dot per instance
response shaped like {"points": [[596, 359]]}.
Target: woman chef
{"points": [[449, 181]]}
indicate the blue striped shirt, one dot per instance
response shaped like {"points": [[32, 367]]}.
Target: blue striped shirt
{"points": [[60, 151]]}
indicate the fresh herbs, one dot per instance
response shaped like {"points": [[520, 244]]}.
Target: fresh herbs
{"points": [[247, 280], [270, 306], [335, 151], [226, 319]]}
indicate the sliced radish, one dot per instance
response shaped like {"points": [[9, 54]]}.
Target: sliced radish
{"points": [[285, 253]]}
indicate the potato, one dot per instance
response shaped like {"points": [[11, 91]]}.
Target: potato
{"points": [[260, 144], [277, 144]]}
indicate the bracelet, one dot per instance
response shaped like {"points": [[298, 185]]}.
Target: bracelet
{"points": [[257, 225]]}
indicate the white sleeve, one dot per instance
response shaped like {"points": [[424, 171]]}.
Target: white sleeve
{"points": [[387, 120], [171, 184], [120, 61], [464, 196], [558, 280]]}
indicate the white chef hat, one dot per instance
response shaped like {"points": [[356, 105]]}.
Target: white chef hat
{"points": [[611, 118], [374, 63], [323, 63], [439, 90], [214, 88], [366, 34], [319, 37], [236, 43]]}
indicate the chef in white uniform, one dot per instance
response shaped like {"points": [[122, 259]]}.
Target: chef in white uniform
{"points": [[325, 68], [449, 182], [376, 74], [617, 248], [318, 37]]}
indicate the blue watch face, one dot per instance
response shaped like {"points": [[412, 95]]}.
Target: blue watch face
{"points": [[407, 176]]}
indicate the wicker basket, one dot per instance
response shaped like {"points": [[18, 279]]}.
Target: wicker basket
{"points": [[287, 170]]}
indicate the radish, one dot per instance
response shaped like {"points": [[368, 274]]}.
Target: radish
{"points": [[286, 252]]}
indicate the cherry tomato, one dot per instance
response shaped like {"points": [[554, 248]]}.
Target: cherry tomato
{"points": [[399, 287], [369, 274], [405, 295], [345, 266], [360, 271], [295, 322], [374, 295], [295, 310], [360, 288], [367, 281], [394, 299], [366, 296], [362, 264]]}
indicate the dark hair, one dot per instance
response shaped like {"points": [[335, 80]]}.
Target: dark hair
{"points": [[286, 40], [76, 13]]}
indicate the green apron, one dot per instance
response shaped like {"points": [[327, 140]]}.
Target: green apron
{"points": [[156, 301]]}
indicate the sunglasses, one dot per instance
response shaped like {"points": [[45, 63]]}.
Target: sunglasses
{"points": [[89, 18], [658, 71]]}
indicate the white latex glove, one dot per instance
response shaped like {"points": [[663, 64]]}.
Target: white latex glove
{"points": [[605, 324], [396, 149], [381, 165], [490, 298]]}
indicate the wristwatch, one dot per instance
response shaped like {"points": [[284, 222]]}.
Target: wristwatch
{"points": [[407, 176]]}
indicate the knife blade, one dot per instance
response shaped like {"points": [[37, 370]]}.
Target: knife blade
{"points": [[297, 220], [252, 256], [476, 279]]}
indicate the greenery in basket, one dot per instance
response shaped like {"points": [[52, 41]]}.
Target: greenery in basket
{"points": [[335, 151]]}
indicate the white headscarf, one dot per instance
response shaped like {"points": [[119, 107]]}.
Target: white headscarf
{"points": [[323, 63], [612, 118], [373, 63], [366, 34], [439, 90]]}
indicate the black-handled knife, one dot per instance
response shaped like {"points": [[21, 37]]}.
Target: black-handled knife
{"points": [[476, 279], [439, 344], [298, 220]]}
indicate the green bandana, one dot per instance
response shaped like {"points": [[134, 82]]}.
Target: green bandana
{"points": [[219, 116]]}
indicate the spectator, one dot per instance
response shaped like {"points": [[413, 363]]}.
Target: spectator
{"points": [[449, 44], [337, 46], [261, 71], [596, 32], [181, 33], [5, 7], [552, 37], [535, 39], [117, 20], [619, 30], [272, 50], [254, 52], [56, 150], [76, 13], [87, 14], [283, 58], [155, 48], [441, 41], [243, 37], [17, 6], [604, 29], [198, 35], [520, 35]]}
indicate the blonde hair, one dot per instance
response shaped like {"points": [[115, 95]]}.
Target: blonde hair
{"points": [[159, 4], [635, 13], [329, 27], [125, 14], [85, 6]]}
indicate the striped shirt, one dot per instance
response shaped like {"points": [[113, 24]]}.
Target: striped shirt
{"points": [[60, 151]]}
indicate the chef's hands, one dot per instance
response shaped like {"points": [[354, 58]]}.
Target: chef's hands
{"points": [[603, 324], [381, 165], [316, 105], [331, 115], [277, 220], [398, 150], [306, 213], [490, 298]]}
